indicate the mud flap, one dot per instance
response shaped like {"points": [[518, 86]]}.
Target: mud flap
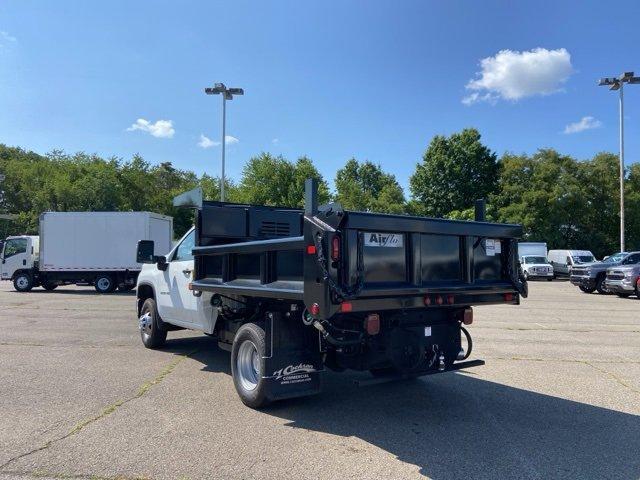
{"points": [[293, 363]]}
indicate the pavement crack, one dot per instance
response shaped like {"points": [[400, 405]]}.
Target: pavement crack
{"points": [[106, 411], [619, 380]]}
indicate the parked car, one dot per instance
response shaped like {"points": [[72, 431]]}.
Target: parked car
{"points": [[591, 277], [563, 260], [624, 280], [536, 266]]}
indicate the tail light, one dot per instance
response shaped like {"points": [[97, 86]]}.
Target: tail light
{"points": [[439, 299], [450, 299], [467, 317], [372, 324], [427, 300], [508, 297], [315, 309], [335, 248], [346, 307]]}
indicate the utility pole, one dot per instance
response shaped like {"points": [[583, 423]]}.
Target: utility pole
{"points": [[227, 94], [618, 84]]}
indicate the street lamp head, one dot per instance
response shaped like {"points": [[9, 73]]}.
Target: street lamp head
{"points": [[626, 76], [236, 91], [211, 91]]}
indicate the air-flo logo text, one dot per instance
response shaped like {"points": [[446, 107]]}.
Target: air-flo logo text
{"points": [[293, 370], [383, 240]]}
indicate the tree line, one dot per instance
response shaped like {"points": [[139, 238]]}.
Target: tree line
{"points": [[566, 202]]}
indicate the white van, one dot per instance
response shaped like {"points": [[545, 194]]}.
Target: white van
{"points": [[563, 260]]}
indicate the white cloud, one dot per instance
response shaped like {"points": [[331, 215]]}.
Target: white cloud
{"points": [[159, 129], [511, 75], [206, 142], [585, 123], [275, 141], [5, 37], [229, 140]]}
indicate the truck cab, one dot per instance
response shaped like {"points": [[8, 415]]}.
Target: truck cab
{"points": [[19, 257], [536, 266], [168, 279]]}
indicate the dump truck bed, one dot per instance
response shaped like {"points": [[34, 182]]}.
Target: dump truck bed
{"points": [[341, 259]]}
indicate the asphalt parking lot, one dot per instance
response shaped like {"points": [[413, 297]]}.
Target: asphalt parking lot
{"points": [[81, 398]]}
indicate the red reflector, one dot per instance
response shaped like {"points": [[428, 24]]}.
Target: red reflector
{"points": [[450, 299], [190, 286], [508, 297], [311, 249], [346, 307], [427, 300], [467, 318], [372, 324], [315, 309], [335, 248], [439, 300]]}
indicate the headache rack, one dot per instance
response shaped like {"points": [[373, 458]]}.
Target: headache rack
{"points": [[344, 261]]}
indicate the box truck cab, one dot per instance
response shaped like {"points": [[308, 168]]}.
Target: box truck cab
{"points": [[563, 260], [533, 260], [19, 255]]}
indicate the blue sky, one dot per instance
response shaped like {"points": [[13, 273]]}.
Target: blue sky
{"points": [[331, 80]]}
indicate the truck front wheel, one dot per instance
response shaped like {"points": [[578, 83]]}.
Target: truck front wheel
{"points": [[104, 284], [23, 282], [247, 365], [153, 335], [601, 287]]}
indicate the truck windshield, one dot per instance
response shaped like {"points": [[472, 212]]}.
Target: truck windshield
{"points": [[14, 246], [583, 259], [535, 260], [618, 257]]}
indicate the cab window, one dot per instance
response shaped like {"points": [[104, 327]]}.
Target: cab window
{"points": [[632, 259], [15, 246], [183, 252]]}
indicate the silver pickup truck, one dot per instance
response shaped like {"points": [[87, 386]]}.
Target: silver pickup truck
{"points": [[590, 277], [624, 281]]}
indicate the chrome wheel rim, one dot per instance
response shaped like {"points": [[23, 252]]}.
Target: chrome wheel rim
{"points": [[104, 283], [248, 365], [144, 323], [22, 282]]}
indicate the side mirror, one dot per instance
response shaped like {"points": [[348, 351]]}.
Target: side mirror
{"points": [[145, 252], [162, 262]]}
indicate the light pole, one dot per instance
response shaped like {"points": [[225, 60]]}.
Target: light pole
{"points": [[227, 94], [618, 84]]}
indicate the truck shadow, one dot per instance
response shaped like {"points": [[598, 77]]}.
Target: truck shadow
{"points": [[458, 426], [88, 291]]}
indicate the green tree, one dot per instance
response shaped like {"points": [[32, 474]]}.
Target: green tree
{"points": [[269, 180], [366, 187], [454, 172]]}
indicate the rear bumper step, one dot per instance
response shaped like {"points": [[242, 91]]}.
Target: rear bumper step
{"points": [[392, 378]]}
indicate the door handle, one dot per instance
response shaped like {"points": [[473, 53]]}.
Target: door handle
{"points": [[24, 262], [186, 271]]}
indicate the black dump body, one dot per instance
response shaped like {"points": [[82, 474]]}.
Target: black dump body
{"points": [[330, 268]]}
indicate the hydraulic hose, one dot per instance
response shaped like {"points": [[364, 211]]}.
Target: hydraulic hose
{"points": [[469, 342]]}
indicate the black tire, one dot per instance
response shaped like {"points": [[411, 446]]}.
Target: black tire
{"points": [[23, 282], [549, 279], [152, 331], [600, 286], [624, 295], [104, 283], [247, 375], [126, 288], [587, 289], [48, 286]]}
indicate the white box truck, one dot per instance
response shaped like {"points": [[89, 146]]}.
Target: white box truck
{"points": [[96, 248], [534, 262]]}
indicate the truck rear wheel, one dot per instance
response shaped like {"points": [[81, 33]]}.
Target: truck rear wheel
{"points": [[23, 282], [587, 289], [153, 335], [247, 365], [104, 284]]}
